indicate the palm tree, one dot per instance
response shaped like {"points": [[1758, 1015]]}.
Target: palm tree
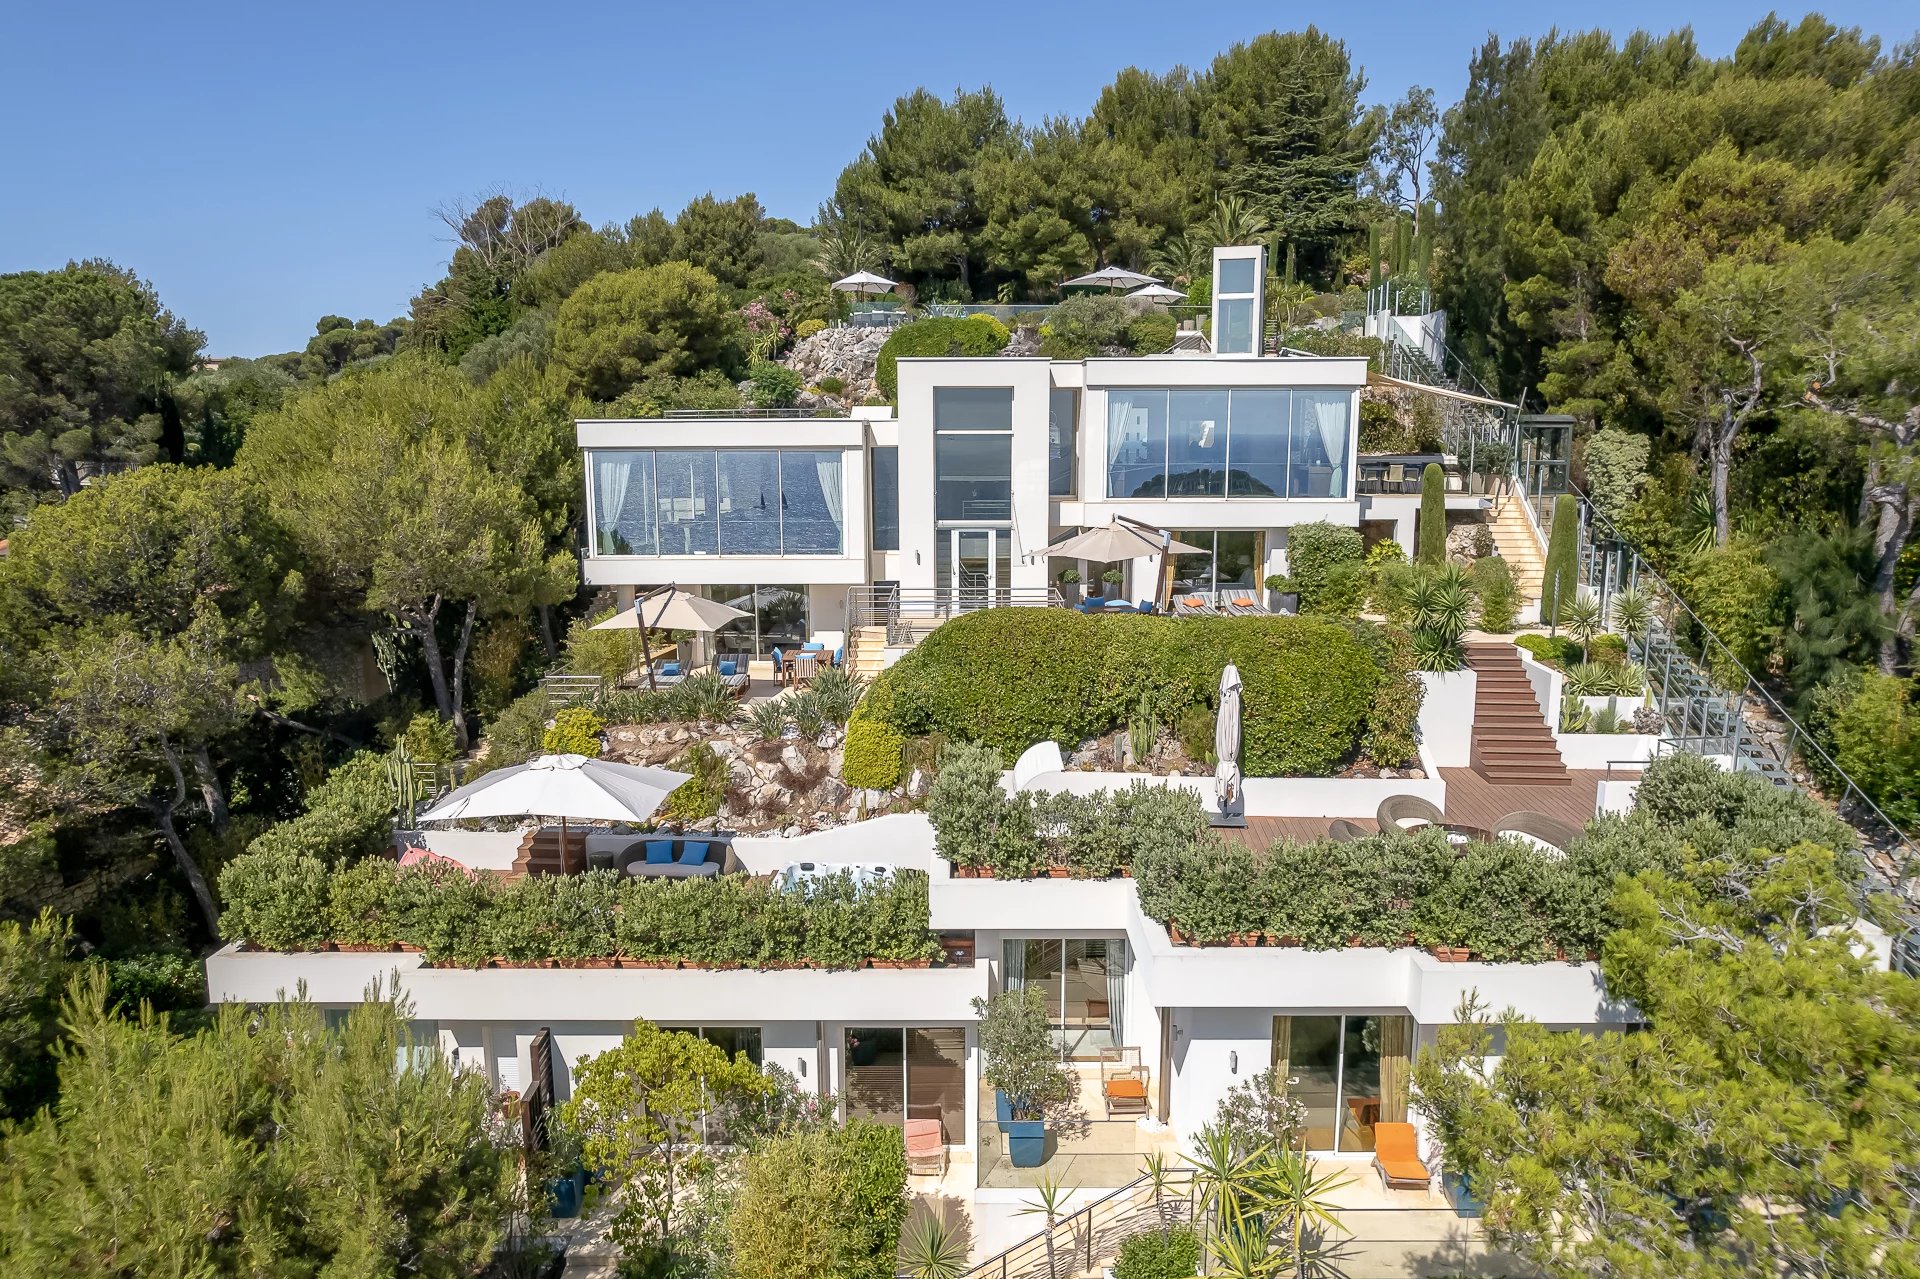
{"points": [[1298, 1206], [1182, 258], [1228, 1190], [846, 250], [1231, 221], [933, 1248], [1050, 1197]]}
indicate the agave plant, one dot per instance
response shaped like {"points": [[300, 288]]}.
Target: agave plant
{"points": [[1050, 1197], [1632, 613], [1589, 679], [838, 690], [768, 719], [1629, 679], [705, 698], [931, 1247], [1437, 652]]}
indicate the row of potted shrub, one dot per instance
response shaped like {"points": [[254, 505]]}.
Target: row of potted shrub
{"points": [[1503, 901], [293, 902], [983, 831]]}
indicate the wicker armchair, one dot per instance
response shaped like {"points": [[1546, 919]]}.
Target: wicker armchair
{"points": [[1397, 809], [1537, 826], [1343, 831]]}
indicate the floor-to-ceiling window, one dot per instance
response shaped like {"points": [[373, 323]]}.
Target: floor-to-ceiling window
{"points": [[731, 1040], [776, 617], [919, 1072], [1063, 419], [1084, 981], [718, 501], [1229, 560], [1252, 442], [1348, 1072]]}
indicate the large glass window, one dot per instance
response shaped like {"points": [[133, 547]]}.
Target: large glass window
{"points": [[623, 504], [749, 503], [973, 477], [1197, 444], [1229, 561], [731, 1040], [1084, 980], [718, 502], [1349, 1073], [1259, 454], [1063, 419], [884, 491], [812, 499], [1244, 443], [912, 1073], [1236, 335], [973, 408], [1136, 443], [776, 616]]}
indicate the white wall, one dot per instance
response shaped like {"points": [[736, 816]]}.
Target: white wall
{"points": [[897, 839], [1598, 750], [1446, 717], [1547, 685], [1263, 796]]}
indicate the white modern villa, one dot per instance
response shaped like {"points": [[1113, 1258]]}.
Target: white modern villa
{"points": [[953, 501], [952, 504]]}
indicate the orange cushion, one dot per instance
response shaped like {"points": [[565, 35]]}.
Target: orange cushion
{"points": [[1243, 602], [923, 1136], [1194, 601], [1127, 1088], [1403, 1169]]}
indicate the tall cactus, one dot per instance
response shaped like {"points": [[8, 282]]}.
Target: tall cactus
{"points": [[406, 786]]}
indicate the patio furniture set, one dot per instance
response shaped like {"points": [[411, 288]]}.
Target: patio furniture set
{"points": [[1409, 812], [732, 673], [800, 667]]}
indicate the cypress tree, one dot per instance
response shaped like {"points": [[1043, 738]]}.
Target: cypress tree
{"points": [[1561, 581], [1290, 266], [1432, 547], [1373, 256]]}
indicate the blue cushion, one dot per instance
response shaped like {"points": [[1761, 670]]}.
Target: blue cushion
{"points": [[693, 854], [659, 852], [812, 648], [669, 668], [776, 657], [727, 668], [839, 655]]}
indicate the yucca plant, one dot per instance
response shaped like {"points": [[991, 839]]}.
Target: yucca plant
{"points": [[768, 719], [1050, 1196], [838, 690], [704, 698], [1159, 1170], [931, 1247], [1632, 613], [805, 711], [1299, 1207], [1581, 616], [1629, 679], [1437, 652]]}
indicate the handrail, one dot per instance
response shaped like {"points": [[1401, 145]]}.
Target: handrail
{"points": [[1002, 1265]]}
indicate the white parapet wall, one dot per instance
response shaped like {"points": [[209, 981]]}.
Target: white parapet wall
{"points": [[1599, 750], [1265, 796], [903, 840], [1446, 717]]}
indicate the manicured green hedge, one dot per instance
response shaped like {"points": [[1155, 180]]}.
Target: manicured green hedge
{"points": [[289, 901], [938, 335], [1314, 552], [1556, 651], [1012, 677], [1505, 901]]}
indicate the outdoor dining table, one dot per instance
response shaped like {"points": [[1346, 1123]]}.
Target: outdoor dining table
{"points": [[802, 667]]}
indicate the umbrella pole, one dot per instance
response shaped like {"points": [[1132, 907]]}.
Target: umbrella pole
{"points": [[563, 844]]}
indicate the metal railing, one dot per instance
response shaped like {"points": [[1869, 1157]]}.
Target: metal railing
{"points": [[569, 690], [1097, 1230]]}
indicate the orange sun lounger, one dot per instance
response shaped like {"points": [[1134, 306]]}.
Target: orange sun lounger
{"points": [[1396, 1154]]}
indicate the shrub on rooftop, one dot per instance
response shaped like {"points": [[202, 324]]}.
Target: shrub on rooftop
{"points": [[277, 899], [349, 815], [1080, 326], [1313, 552], [1151, 334], [936, 335]]}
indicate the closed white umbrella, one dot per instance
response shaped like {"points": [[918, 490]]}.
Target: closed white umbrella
{"points": [[671, 609], [1226, 740], [563, 786], [1110, 278]]}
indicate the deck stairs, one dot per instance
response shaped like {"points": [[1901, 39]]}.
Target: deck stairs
{"points": [[866, 651], [1512, 742], [540, 851]]}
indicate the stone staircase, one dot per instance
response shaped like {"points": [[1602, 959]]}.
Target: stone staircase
{"points": [[1512, 742], [1514, 539], [866, 649]]}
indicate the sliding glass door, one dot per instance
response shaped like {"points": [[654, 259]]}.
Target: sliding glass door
{"points": [[1084, 981], [1348, 1073], [894, 1074]]}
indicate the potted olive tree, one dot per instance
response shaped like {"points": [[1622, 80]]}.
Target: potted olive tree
{"points": [[1021, 1063]]}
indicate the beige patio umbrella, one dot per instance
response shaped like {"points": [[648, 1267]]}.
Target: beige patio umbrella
{"points": [[1123, 539], [670, 608], [863, 284], [1226, 741], [563, 786]]}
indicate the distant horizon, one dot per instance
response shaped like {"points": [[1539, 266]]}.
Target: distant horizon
{"points": [[261, 172]]}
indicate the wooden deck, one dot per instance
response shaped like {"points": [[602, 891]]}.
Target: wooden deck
{"points": [[1472, 800]]}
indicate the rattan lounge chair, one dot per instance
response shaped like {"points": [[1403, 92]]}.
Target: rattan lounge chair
{"points": [[1548, 830], [1342, 830], [1398, 809]]}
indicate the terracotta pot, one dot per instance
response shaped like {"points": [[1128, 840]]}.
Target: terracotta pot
{"points": [[1288, 941], [650, 963], [359, 948], [886, 963], [1059, 872], [986, 872], [1126, 872], [1174, 934]]}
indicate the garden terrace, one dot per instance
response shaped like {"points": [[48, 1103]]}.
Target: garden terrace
{"points": [[456, 918], [1317, 693]]}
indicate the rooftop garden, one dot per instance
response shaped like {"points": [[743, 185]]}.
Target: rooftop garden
{"points": [[284, 901], [1319, 694]]}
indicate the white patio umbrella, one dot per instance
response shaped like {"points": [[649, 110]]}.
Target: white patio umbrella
{"points": [[1158, 293], [1109, 278], [670, 608], [563, 786], [864, 284], [1226, 740]]}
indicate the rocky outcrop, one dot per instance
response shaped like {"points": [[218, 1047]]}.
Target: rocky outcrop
{"points": [[790, 784], [848, 354]]}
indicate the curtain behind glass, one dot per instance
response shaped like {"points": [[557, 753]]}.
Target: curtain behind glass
{"points": [[827, 467], [1117, 957], [1136, 443], [811, 510], [612, 471], [1331, 410], [1016, 963], [1282, 1050], [1396, 1047]]}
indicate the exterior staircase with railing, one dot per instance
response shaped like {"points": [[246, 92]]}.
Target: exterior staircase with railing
{"points": [[1512, 742], [1519, 546]]}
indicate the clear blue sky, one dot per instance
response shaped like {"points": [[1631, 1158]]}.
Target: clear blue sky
{"points": [[269, 163]]}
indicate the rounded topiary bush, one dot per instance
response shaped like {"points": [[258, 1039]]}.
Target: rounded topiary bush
{"points": [[807, 328], [873, 755], [276, 900], [576, 731], [938, 335]]}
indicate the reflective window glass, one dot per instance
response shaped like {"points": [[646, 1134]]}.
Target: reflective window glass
{"points": [[973, 477], [685, 483], [1136, 443], [813, 497], [749, 502], [1063, 416], [1197, 444], [1257, 445], [885, 490], [623, 511], [973, 408]]}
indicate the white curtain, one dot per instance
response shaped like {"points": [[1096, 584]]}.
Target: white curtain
{"points": [[1117, 988], [612, 472], [1332, 413], [828, 467], [1016, 965]]}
